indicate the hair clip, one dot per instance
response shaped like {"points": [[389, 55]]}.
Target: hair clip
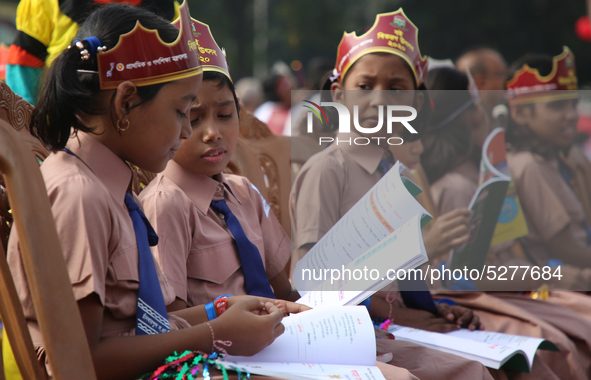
{"points": [[335, 75], [95, 47]]}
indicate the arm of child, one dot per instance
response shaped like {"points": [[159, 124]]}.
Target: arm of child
{"points": [[127, 357], [570, 250]]}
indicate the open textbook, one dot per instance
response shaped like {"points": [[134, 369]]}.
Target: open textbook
{"points": [[492, 349], [364, 250], [497, 216], [325, 343]]}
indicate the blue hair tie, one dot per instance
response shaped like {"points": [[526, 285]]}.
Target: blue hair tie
{"points": [[95, 47]]}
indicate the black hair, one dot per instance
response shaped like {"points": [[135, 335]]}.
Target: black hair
{"points": [[223, 81], [68, 94], [270, 88], [419, 124], [317, 68], [449, 146], [519, 137]]}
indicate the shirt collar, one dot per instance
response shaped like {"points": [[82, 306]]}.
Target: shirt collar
{"points": [[367, 156], [106, 165], [200, 188]]}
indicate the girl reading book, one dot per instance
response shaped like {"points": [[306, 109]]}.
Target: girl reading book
{"points": [[332, 181], [122, 112], [451, 160]]}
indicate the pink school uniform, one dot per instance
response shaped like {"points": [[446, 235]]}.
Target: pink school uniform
{"points": [[96, 235], [197, 251]]}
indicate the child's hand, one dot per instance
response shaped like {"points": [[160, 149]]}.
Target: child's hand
{"points": [[449, 231], [248, 331], [285, 306], [288, 307], [421, 319], [462, 316]]}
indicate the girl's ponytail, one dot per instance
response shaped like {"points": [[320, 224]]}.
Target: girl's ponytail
{"points": [[61, 99]]}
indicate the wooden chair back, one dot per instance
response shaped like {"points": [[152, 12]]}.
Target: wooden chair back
{"points": [[55, 306], [16, 112], [274, 162]]}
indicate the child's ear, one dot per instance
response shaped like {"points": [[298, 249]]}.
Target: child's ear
{"points": [[521, 114], [337, 91], [126, 96]]}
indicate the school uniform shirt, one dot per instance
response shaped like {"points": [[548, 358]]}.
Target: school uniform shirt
{"points": [[96, 234], [549, 204], [329, 184], [196, 250], [512, 313]]}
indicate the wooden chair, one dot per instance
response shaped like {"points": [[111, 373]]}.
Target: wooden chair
{"points": [[17, 113], [274, 156], [51, 291]]}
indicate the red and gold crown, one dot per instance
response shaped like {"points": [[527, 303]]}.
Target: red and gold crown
{"points": [[212, 58], [142, 57], [391, 33], [528, 86]]}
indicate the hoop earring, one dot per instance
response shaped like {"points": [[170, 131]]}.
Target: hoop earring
{"points": [[120, 128]]}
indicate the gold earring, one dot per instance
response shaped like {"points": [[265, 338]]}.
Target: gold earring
{"points": [[120, 128]]}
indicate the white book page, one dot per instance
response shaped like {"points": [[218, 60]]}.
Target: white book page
{"points": [[378, 213], [492, 353], [333, 298], [524, 343], [340, 335], [370, 271], [310, 371]]}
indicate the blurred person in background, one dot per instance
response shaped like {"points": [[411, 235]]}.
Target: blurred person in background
{"points": [[489, 70], [276, 110], [45, 28], [250, 93], [316, 72]]}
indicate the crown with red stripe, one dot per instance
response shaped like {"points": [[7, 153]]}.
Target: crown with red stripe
{"points": [[391, 33], [528, 86], [142, 57], [212, 58]]}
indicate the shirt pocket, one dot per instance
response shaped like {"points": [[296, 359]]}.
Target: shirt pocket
{"points": [[125, 265], [215, 264]]}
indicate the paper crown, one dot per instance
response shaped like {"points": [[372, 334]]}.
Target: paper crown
{"points": [[391, 33], [528, 86], [212, 58], [142, 57]]}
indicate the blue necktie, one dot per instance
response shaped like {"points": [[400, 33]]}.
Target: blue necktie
{"points": [[420, 297], [151, 316], [255, 277]]}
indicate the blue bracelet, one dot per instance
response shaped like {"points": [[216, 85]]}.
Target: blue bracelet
{"points": [[210, 310], [446, 301]]}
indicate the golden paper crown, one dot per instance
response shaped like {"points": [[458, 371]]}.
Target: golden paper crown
{"points": [[528, 86], [212, 58], [142, 57], [391, 33]]}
